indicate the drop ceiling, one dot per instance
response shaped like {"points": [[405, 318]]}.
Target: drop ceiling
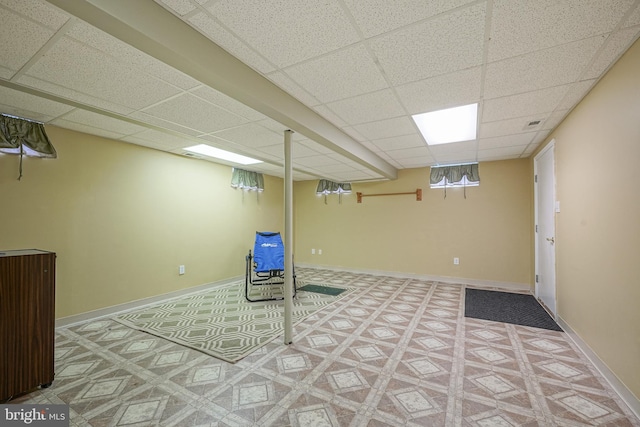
{"points": [[344, 75]]}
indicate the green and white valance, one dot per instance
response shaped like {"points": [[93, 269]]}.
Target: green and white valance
{"points": [[247, 180], [329, 187], [24, 137], [465, 175]]}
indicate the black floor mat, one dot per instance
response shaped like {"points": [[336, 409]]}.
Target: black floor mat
{"points": [[518, 309]]}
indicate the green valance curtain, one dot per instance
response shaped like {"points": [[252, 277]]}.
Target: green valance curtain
{"points": [[247, 180], [24, 137], [454, 175], [329, 187]]}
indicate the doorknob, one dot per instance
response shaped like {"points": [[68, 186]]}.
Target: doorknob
{"points": [[551, 239]]}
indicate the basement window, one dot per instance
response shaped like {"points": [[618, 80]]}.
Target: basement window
{"points": [[329, 187], [462, 175]]}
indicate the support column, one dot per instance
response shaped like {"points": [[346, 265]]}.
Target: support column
{"points": [[288, 243]]}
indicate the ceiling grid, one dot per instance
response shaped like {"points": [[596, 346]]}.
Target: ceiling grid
{"points": [[345, 75]]}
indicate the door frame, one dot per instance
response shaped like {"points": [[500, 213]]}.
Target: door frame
{"points": [[537, 213]]}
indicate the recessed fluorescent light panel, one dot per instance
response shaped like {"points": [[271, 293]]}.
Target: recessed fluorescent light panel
{"points": [[451, 125], [207, 150]]}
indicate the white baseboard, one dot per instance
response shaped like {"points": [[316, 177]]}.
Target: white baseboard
{"points": [[625, 394], [520, 287], [133, 305]]}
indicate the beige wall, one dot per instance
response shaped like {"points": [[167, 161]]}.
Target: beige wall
{"points": [[598, 227], [489, 230], [122, 218]]}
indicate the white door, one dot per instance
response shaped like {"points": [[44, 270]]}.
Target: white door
{"points": [[545, 208]]}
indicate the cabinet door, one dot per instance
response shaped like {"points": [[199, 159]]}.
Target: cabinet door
{"points": [[27, 319]]}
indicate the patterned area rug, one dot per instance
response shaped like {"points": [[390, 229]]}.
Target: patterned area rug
{"points": [[221, 322]]}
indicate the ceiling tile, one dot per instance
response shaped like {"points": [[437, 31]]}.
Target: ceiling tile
{"points": [[442, 149], [29, 106], [159, 140], [615, 46], [128, 56], [269, 26], [380, 16], [251, 135], [445, 91], [73, 95], [39, 11], [157, 122], [576, 92], [75, 66], [368, 108], [386, 128], [21, 39], [405, 153], [193, 112], [337, 168], [399, 142], [537, 140], [508, 127], [634, 18], [299, 176], [522, 26], [409, 55], [506, 141], [417, 162], [299, 150], [338, 75], [554, 119], [80, 127], [100, 121], [210, 28], [456, 158], [541, 69], [524, 104], [500, 153], [356, 176], [5, 73]]}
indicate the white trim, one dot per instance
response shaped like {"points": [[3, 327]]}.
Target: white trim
{"points": [[618, 386], [520, 287], [133, 305]]}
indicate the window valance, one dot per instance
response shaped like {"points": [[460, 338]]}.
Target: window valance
{"points": [[329, 187], [247, 180], [454, 176], [24, 137]]}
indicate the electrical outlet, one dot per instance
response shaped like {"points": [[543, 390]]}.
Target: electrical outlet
{"points": [[313, 251], [319, 251], [181, 270], [456, 261]]}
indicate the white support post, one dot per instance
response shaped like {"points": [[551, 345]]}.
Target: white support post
{"points": [[288, 244]]}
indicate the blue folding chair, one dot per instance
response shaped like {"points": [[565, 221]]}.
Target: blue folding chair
{"points": [[266, 266]]}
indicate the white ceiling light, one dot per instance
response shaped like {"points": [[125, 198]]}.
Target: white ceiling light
{"points": [[207, 150], [451, 125]]}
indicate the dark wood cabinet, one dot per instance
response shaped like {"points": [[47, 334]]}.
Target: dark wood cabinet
{"points": [[27, 320]]}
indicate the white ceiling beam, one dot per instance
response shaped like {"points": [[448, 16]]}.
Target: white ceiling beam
{"points": [[152, 29]]}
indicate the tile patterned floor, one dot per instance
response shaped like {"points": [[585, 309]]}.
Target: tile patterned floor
{"points": [[397, 352]]}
